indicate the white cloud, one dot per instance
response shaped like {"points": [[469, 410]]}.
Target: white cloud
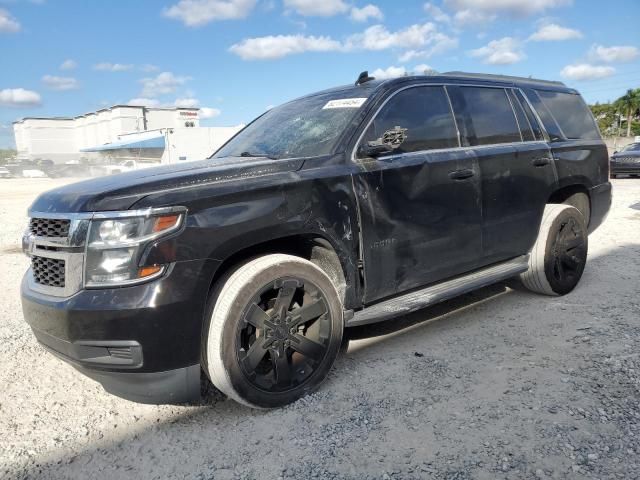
{"points": [[162, 84], [390, 72], [271, 47], [206, 112], [422, 69], [586, 71], [500, 52], [112, 67], [440, 45], [317, 8], [8, 24], [186, 102], [19, 97], [147, 67], [421, 40], [616, 54], [144, 102], [377, 37], [195, 13], [468, 17], [436, 13], [554, 32], [395, 72], [68, 65], [365, 13], [513, 7], [60, 83]]}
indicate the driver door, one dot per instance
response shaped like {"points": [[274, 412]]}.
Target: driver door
{"points": [[420, 204]]}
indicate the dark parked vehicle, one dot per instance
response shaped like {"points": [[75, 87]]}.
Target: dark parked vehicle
{"points": [[341, 208], [626, 161]]}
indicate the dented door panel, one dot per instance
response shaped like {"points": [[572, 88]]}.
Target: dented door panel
{"points": [[419, 224]]}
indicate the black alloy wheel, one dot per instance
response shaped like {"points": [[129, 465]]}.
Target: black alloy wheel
{"points": [[567, 255], [284, 336]]}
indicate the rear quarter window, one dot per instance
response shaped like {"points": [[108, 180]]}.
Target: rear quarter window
{"points": [[571, 114]]}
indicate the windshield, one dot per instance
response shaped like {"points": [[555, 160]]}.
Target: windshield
{"points": [[307, 127], [632, 147]]}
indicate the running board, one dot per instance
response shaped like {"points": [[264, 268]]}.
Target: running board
{"points": [[439, 292]]}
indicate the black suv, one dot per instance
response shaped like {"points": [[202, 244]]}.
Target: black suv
{"points": [[341, 208]]}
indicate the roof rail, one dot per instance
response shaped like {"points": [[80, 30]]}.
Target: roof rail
{"points": [[504, 78]]}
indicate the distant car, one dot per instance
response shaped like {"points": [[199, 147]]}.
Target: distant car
{"points": [[120, 167], [626, 161], [5, 173], [33, 173]]}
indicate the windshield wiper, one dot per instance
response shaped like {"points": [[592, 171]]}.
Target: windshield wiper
{"points": [[250, 154]]}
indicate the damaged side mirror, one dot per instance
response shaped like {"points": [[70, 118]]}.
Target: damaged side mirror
{"points": [[390, 141]]}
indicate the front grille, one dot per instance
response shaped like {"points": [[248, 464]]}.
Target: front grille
{"points": [[48, 271], [49, 227], [627, 159]]}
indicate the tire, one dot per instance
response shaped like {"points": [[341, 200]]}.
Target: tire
{"points": [[614, 176], [254, 357], [559, 255]]}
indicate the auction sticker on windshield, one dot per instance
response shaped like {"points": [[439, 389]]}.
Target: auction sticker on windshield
{"points": [[345, 103]]}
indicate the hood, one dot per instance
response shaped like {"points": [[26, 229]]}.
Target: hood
{"points": [[630, 153], [121, 191]]}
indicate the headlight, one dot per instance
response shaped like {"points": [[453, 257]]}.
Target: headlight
{"points": [[116, 242]]}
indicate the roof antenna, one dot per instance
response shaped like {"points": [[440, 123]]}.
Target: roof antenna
{"points": [[364, 78]]}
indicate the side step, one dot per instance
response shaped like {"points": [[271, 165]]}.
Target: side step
{"points": [[439, 292]]}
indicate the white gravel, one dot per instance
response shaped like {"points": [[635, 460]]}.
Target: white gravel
{"points": [[495, 384]]}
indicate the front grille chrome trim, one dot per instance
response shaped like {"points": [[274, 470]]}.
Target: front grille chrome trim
{"points": [[69, 249]]}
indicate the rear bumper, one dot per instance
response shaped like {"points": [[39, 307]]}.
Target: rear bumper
{"points": [[141, 342], [600, 197]]}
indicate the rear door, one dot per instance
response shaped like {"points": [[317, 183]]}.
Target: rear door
{"points": [[420, 205], [516, 170], [580, 155]]}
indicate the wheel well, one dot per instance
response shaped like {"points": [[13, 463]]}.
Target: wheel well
{"points": [[310, 247], [576, 196]]}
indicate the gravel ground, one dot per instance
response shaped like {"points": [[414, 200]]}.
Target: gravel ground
{"points": [[496, 384]]}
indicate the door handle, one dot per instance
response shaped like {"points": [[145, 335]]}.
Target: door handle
{"points": [[461, 174], [540, 162]]}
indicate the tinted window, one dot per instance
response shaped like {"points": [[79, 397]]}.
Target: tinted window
{"points": [[523, 122], [548, 121], [491, 115], [571, 114], [424, 112], [533, 121]]}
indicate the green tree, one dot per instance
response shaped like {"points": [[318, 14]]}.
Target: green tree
{"points": [[605, 115], [628, 105], [6, 154]]}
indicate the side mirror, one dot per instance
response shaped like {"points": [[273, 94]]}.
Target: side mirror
{"points": [[390, 140], [615, 152]]}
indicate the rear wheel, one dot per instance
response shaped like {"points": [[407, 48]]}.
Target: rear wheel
{"points": [[274, 331], [558, 257]]}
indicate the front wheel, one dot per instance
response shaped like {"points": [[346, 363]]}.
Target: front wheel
{"points": [[559, 255], [274, 331]]}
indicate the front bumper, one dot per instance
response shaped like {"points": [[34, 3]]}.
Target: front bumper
{"points": [[140, 342], [617, 168]]}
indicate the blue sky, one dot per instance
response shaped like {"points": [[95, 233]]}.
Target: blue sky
{"points": [[235, 58]]}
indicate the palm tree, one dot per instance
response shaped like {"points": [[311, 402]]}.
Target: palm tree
{"points": [[628, 104]]}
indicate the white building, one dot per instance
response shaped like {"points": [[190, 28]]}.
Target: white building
{"points": [[164, 135]]}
